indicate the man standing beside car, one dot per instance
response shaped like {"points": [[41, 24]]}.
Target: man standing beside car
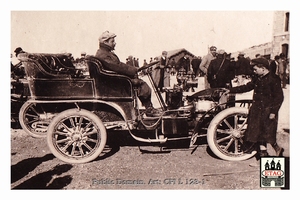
{"points": [[263, 113]]}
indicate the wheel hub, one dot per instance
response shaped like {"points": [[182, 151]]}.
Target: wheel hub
{"points": [[76, 137], [237, 134]]}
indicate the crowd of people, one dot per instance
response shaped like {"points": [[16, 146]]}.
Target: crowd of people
{"points": [[218, 68]]}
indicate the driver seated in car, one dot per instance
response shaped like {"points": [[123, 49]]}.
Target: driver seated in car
{"points": [[105, 52]]}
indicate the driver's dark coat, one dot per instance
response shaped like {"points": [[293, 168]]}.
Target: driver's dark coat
{"points": [[105, 53], [267, 99]]}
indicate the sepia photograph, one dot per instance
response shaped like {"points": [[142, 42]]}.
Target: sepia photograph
{"points": [[147, 99]]}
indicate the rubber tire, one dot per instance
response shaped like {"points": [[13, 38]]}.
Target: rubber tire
{"points": [[75, 112], [211, 134], [24, 126]]}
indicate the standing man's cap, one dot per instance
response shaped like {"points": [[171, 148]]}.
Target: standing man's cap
{"points": [[282, 55], [106, 35], [261, 61], [241, 53]]}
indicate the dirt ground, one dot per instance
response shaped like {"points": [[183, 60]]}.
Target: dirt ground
{"points": [[134, 167]]}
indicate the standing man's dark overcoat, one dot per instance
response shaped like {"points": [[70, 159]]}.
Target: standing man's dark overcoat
{"points": [[267, 98]]}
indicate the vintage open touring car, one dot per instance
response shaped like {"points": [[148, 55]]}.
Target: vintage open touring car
{"points": [[76, 112]]}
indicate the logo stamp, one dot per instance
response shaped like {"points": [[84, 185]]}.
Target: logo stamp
{"points": [[272, 172]]}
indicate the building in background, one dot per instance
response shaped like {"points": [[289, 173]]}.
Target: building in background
{"points": [[280, 39], [281, 33]]}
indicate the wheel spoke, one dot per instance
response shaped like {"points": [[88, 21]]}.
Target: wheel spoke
{"points": [[66, 127], [34, 120], [242, 125], [92, 140], [62, 133], [87, 146], [87, 126], [224, 131], [81, 150], [73, 149], [94, 131], [67, 146], [223, 139], [227, 123], [80, 122], [236, 145], [72, 121], [62, 140], [235, 122], [229, 144], [33, 109], [31, 115]]}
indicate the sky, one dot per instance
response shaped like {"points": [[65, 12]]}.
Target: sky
{"points": [[142, 34]]}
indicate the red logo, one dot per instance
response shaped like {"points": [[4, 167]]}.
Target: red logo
{"points": [[272, 173]]}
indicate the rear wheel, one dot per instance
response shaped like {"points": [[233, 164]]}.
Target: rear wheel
{"points": [[225, 134], [76, 136]]}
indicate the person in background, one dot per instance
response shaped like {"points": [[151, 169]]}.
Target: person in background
{"points": [[205, 63], [80, 64], [130, 61], [263, 113], [195, 65], [81, 59], [242, 68], [274, 65], [232, 67], [173, 66], [219, 70], [145, 63], [17, 70], [183, 62], [288, 71], [258, 55], [282, 65], [11, 67], [137, 63], [105, 52], [159, 71]]}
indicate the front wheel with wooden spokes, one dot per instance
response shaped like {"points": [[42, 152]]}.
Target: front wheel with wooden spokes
{"points": [[225, 134], [76, 136]]}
